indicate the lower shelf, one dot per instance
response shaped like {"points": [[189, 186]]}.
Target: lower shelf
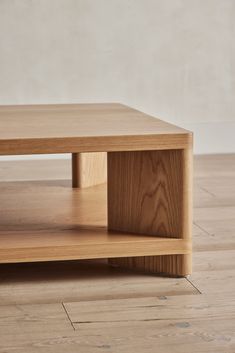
{"points": [[46, 221]]}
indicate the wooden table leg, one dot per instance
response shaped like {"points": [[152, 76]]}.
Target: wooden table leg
{"points": [[89, 169], [150, 193]]}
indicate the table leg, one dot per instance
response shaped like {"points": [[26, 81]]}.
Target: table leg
{"points": [[149, 192], [89, 169]]}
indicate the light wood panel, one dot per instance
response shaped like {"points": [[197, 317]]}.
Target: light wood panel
{"points": [[77, 128], [29, 246], [89, 169], [150, 193], [77, 231], [145, 192]]}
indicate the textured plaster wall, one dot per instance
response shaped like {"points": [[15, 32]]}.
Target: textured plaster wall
{"points": [[171, 58]]}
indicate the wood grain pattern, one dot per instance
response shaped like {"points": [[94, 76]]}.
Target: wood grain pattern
{"points": [[89, 169], [150, 193], [76, 231], [74, 128], [145, 192], [191, 335], [32, 319], [140, 309], [66, 245], [171, 265]]}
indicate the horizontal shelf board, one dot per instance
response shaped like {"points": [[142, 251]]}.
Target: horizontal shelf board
{"points": [[83, 244], [43, 221]]}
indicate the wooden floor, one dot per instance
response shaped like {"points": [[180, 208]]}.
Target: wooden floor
{"points": [[89, 307]]}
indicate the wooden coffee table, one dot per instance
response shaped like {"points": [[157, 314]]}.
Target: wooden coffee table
{"points": [[148, 167]]}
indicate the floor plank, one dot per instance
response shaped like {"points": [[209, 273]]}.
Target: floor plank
{"points": [[28, 319], [216, 237], [218, 224], [214, 192], [213, 260], [167, 336], [76, 281], [152, 308], [190, 335], [218, 165], [220, 281], [202, 197]]}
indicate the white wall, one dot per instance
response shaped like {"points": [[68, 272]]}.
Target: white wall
{"points": [[174, 59]]}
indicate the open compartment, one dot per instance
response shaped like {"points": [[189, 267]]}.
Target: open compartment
{"points": [[48, 220]]}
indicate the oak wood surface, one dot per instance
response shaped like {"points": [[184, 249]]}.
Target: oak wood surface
{"points": [[34, 226], [49, 246], [145, 192], [150, 193], [84, 128]]}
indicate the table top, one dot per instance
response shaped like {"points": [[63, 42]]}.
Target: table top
{"points": [[64, 128]]}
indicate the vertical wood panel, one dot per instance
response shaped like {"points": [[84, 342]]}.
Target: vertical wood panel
{"points": [[145, 193], [150, 193]]}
